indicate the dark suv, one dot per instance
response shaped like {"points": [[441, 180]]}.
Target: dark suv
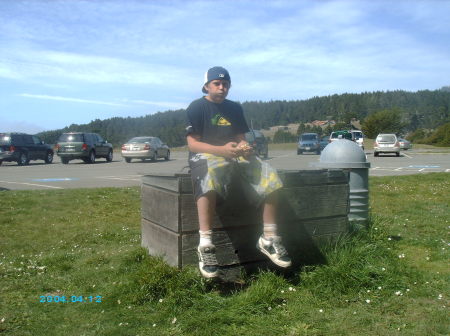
{"points": [[259, 143], [308, 142], [22, 148], [84, 146]]}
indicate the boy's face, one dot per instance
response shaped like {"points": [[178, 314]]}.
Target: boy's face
{"points": [[217, 90]]}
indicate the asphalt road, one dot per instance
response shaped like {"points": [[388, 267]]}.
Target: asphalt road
{"points": [[118, 173]]}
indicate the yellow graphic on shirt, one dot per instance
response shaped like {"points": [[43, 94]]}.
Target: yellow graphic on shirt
{"points": [[223, 122], [218, 120]]}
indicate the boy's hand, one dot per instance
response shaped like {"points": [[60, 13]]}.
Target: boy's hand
{"points": [[245, 149]]}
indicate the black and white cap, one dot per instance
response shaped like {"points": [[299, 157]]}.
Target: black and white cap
{"points": [[216, 72]]}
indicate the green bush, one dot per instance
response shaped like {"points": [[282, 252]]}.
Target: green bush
{"points": [[440, 137]]}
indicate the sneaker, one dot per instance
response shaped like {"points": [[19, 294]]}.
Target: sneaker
{"points": [[273, 248], [207, 261]]}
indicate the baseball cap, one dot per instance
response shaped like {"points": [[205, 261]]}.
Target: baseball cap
{"points": [[216, 72]]}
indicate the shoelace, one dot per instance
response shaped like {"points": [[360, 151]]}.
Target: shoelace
{"points": [[209, 258], [279, 249]]}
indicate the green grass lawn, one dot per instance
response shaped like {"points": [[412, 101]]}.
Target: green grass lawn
{"points": [[391, 280]]}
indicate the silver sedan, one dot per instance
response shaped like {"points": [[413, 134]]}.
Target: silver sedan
{"points": [[404, 144], [145, 147]]}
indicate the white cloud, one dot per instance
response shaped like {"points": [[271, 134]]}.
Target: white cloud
{"points": [[68, 99]]}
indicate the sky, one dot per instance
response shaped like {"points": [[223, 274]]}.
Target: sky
{"points": [[66, 62]]}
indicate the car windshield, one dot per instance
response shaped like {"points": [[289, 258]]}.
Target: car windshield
{"points": [[309, 137], [343, 135], [5, 139], [386, 138], [140, 140], [67, 137], [358, 135]]}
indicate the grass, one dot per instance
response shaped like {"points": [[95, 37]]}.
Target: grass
{"points": [[391, 279]]}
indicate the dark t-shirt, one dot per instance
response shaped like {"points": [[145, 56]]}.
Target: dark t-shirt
{"points": [[216, 124]]}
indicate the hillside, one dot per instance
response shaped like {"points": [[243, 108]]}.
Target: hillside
{"points": [[421, 109]]}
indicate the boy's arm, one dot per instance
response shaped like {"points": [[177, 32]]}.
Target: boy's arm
{"points": [[229, 150]]}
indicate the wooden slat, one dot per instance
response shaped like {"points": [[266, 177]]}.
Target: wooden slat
{"points": [[160, 207], [299, 178], [161, 242], [315, 201]]}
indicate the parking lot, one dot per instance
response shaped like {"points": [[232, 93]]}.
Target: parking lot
{"points": [[118, 173]]}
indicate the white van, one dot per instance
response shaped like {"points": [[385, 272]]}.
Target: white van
{"points": [[358, 137]]}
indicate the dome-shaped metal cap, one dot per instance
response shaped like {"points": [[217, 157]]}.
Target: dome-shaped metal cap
{"points": [[343, 153]]}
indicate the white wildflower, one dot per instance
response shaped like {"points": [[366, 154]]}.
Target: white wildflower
{"points": [[174, 320], [320, 310], [368, 301], [160, 300]]}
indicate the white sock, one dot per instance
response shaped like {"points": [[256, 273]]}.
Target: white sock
{"points": [[205, 238], [270, 230]]}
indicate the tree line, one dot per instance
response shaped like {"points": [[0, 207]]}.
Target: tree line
{"points": [[422, 110]]}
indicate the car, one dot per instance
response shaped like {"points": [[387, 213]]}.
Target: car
{"points": [[358, 137], [308, 142], [83, 145], [386, 143], [336, 135], [404, 144], [22, 147], [145, 147], [324, 142], [259, 143]]}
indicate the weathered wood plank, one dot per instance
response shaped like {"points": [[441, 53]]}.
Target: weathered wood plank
{"points": [[161, 242], [300, 178], [180, 183], [315, 201]]}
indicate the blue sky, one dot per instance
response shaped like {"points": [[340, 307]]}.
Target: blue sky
{"points": [[73, 61]]}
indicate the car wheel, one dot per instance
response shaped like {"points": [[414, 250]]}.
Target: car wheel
{"points": [[1, 161], [153, 158], [91, 157], [65, 160], [128, 160], [23, 159], [375, 154], [109, 158], [49, 157], [167, 158], [397, 154], [299, 152], [318, 152]]}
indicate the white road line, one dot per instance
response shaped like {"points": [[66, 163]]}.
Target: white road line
{"points": [[422, 169], [122, 176], [32, 184], [399, 168], [118, 178], [407, 155], [447, 170]]}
